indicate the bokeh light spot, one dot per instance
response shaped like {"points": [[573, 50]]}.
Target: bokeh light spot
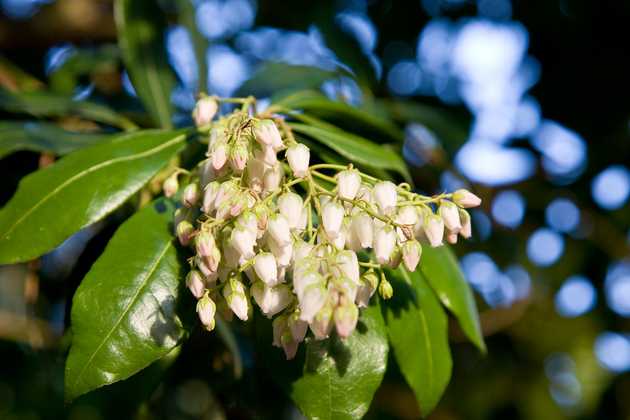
{"points": [[576, 297], [545, 247]]}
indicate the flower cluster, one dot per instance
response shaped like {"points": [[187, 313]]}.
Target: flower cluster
{"points": [[306, 243]]}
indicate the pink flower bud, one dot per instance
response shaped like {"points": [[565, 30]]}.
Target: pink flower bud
{"points": [[289, 345], [290, 206], [466, 199], [171, 185], [266, 268], [219, 156], [190, 195], [205, 110], [384, 244], [298, 156], [346, 317], [297, 326], [385, 196], [207, 249], [235, 295], [466, 230], [363, 227], [434, 229], [238, 157], [322, 323], [278, 228], [267, 133], [450, 214], [209, 197], [206, 310], [184, 231], [195, 283], [411, 252], [332, 218], [348, 183]]}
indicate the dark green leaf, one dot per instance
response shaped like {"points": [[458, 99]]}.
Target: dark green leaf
{"points": [[441, 269], [316, 103], [80, 189], [124, 312], [84, 61], [46, 104], [266, 82], [17, 80], [418, 332], [39, 136], [141, 27], [186, 13], [340, 376], [355, 148]]}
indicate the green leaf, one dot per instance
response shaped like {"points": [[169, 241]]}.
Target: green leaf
{"points": [[39, 136], [141, 27], [265, 80], [418, 332], [441, 269], [47, 104], [16, 79], [186, 13], [340, 377], [84, 62], [124, 312], [315, 102], [80, 189], [356, 149]]}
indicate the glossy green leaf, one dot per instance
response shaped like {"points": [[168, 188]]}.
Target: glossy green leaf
{"points": [[356, 149], [265, 80], [47, 104], [441, 269], [318, 104], [80, 189], [124, 312], [418, 333], [40, 136], [141, 27], [340, 377]]}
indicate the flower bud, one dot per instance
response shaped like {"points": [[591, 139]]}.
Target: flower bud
{"points": [[278, 229], [451, 237], [385, 289], [466, 229], [348, 183], [206, 309], [322, 323], [267, 133], [209, 197], [238, 157], [298, 156], [226, 192], [234, 294], [272, 178], [411, 252], [450, 214], [290, 206], [266, 268], [195, 283], [466, 199], [367, 287], [219, 156], [395, 258], [243, 241], [313, 298], [184, 231], [332, 218], [434, 229], [363, 227], [297, 326], [385, 196], [207, 173], [205, 110], [346, 317], [384, 244], [190, 195], [271, 300], [171, 185]]}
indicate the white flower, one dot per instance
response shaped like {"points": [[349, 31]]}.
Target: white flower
{"points": [[255, 174], [450, 214], [466, 229], [206, 309], [348, 183], [266, 268], [170, 186], [411, 251], [346, 317], [207, 249], [219, 156], [290, 206], [301, 250], [367, 287], [267, 133], [385, 196], [348, 263], [205, 110], [363, 228], [272, 178], [407, 215], [465, 198], [313, 298], [434, 229], [278, 229], [243, 241], [322, 324], [234, 294], [238, 157], [248, 221], [195, 283], [302, 280], [298, 156], [332, 218], [207, 173], [184, 231], [384, 244], [209, 197], [191, 194], [365, 194], [283, 254], [266, 155], [271, 300], [297, 326]]}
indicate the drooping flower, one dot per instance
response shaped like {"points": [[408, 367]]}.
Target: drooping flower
{"points": [[204, 111], [206, 310], [298, 156], [434, 229], [384, 244], [348, 183], [266, 268], [466, 199], [290, 206], [332, 218], [195, 283], [450, 214], [411, 252], [385, 196]]}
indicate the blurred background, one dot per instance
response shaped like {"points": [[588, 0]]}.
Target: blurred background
{"points": [[524, 102]]}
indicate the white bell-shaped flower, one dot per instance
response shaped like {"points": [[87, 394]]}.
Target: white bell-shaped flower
{"points": [[450, 214], [236, 297], [332, 218], [313, 299], [195, 283], [346, 316], [243, 241], [206, 309], [434, 229], [407, 215], [466, 229], [297, 326], [384, 244], [301, 250], [278, 229], [348, 183], [267, 133], [348, 263], [209, 197], [385, 196], [305, 278], [204, 111], [322, 324], [466, 199], [271, 300], [219, 156], [272, 178], [411, 252], [298, 156], [363, 228], [266, 268], [283, 254], [290, 206]]}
